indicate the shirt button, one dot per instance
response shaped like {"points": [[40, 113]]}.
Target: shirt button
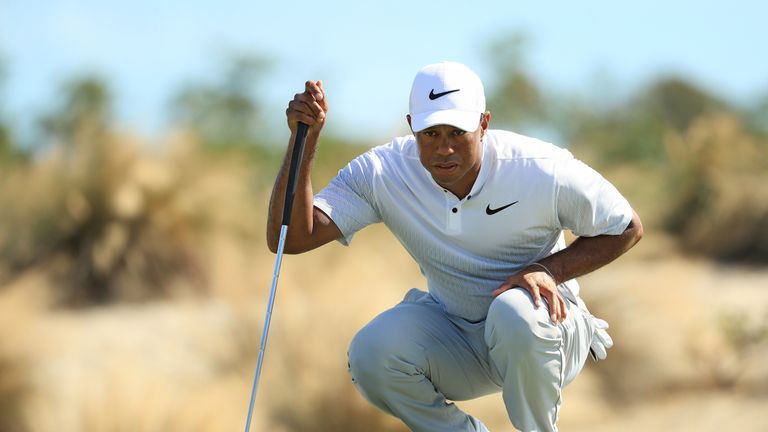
{"points": [[454, 210]]}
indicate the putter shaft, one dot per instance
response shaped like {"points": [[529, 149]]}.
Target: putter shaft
{"points": [[263, 346], [290, 191]]}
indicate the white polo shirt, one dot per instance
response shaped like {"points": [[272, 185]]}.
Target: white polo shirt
{"points": [[526, 194]]}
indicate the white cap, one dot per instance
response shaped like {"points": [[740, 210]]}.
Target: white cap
{"points": [[446, 93]]}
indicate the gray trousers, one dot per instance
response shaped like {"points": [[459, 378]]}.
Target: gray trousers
{"points": [[413, 359]]}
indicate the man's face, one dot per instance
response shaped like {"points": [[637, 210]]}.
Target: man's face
{"points": [[451, 155]]}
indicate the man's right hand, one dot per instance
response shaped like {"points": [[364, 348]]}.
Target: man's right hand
{"points": [[310, 227], [309, 107]]}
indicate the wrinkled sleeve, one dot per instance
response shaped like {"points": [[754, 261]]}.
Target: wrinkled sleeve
{"points": [[349, 198], [588, 204]]}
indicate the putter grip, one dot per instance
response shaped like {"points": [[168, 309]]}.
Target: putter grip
{"points": [[293, 170]]}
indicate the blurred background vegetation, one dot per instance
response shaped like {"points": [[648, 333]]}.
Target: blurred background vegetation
{"points": [[707, 157], [93, 218]]}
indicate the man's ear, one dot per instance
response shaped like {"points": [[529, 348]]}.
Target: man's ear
{"points": [[408, 118], [485, 121]]}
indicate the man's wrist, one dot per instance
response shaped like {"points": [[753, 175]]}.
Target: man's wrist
{"points": [[542, 266]]}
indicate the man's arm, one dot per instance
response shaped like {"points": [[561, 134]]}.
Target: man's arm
{"points": [[583, 255], [587, 254], [309, 227]]}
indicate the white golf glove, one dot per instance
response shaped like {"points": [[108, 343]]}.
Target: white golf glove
{"points": [[601, 340]]}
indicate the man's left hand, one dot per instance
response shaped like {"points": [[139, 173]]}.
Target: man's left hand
{"points": [[539, 284]]}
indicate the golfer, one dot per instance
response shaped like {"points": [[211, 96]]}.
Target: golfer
{"points": [[482, 212]]}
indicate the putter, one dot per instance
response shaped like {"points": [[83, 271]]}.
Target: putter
{"points": [[290, 191]]}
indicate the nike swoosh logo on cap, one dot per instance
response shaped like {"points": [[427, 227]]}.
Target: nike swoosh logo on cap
{"points": [[489, 211], [433, 95]]}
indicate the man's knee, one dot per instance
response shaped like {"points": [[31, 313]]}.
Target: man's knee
{"points": [[379, 357], [365, 355], [513, 318], [380, 349]]}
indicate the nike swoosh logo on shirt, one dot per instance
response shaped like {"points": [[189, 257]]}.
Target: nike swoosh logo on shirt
{"points": [[433, 95], [489, 211]]}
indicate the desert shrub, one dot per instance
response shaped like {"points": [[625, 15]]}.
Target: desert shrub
{"points": [[742, 363], [718, 184], [633, 131], [108, 223], [6, 151], [105, 219], [743, 334], [10, 154], [224, 111]]}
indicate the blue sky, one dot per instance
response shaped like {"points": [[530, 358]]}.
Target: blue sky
{"points": [[367, 52]]}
